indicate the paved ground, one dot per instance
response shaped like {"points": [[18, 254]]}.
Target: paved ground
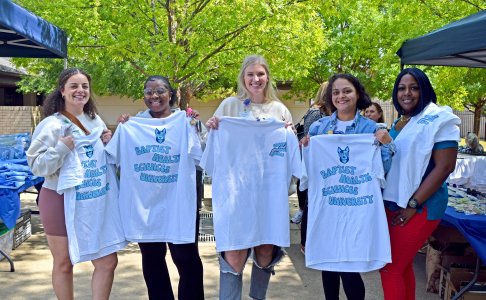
{"points": [[293, 280]]}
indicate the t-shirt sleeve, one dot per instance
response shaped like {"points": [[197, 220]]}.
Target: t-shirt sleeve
{"points": [[294, 154], [448, 132], [445, 145], [100, 122], [193, 143], [112, 149], [304, 179], [207, 159]]}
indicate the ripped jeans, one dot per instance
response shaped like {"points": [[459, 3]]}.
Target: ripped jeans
{"points": [[231, 282]]}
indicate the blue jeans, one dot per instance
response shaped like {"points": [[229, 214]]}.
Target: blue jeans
{"points": [[231, 282]]}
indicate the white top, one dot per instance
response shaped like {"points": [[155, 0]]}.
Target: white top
{"points": [[46, 153], [157, 178], [251, 163], [414, 147], [235, 107], [90, 188], [347, 229], [341, 126]]}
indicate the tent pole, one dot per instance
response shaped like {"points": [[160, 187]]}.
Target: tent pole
{"points": [[402, 66], [65, 63]]}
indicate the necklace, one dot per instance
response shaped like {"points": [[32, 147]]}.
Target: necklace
{"points": [[258, 110], [404, 119]]}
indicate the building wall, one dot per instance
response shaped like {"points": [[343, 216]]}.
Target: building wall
{"points": [[18, 119], [110, 107]]}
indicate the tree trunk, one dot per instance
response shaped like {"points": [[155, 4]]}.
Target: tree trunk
{"points": [[478, 112], [185, 92], [477, 119]]}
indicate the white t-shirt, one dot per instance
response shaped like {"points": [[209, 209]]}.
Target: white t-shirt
{"points": [[157, 160], [347, 228], [251, 163], [46, 153], [341, 126], [90, 188]]}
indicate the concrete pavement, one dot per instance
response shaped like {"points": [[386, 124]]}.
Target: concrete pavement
{"points": [[293, 280]]}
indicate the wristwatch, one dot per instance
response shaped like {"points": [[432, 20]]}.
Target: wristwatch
{"points": [[413, 203]]}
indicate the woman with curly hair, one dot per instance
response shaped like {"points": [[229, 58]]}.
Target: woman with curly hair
{"points": [[71, 100]]}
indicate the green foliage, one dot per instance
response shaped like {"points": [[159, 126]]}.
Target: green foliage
{"points": [[199, 44], [195, 43]]}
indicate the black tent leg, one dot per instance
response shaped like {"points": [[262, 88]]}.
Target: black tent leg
{"points": [[12, 268]]}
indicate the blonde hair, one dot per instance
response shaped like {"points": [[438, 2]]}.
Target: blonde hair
{"points": [[320, 100], [269, 91]]}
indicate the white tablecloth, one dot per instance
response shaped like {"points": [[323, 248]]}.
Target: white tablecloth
{"points": [[470, 172]]}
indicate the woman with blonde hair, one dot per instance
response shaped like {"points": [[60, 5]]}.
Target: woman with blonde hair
{"points": [[250, 216]]}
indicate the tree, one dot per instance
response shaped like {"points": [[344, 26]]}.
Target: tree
{"points": [[199, 44], [196, 43], [363, 37]]}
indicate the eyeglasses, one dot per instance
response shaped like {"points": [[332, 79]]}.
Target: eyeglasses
{"points": [[150, 92]]}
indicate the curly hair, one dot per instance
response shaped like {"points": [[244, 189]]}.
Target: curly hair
{"points": [[269, 91], [364, 99], [427, 93], [55, 102], [165, 80]]}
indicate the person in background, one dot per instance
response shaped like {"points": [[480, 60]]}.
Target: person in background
{"points": [[346, 96], [426, 137], [316, 112], [256, 99], [72, 99], [375, 112], [160, 97]]}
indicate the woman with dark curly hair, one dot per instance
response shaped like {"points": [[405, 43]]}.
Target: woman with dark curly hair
{"points": [[70, 103], [346, 97]]}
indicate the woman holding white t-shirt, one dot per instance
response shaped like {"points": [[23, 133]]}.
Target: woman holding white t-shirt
{"points": [[159, 96], [346, 96], [256, 99], [69, 112]]}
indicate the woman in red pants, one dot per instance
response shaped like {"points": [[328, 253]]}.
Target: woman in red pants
{"points": [[426, 138]]}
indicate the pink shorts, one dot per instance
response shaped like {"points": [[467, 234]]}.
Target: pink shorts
{"points": [[51, 211]]}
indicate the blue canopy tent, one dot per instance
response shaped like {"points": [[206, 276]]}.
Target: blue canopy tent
{"points": [[461, 44], [23, 34]]}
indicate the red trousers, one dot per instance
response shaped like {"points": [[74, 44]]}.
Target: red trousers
{"points": [[397, 277]]}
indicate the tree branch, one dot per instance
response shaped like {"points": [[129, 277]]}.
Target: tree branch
{"points": [[137, 67], [474, 5], [434, 11], [199, 7]]}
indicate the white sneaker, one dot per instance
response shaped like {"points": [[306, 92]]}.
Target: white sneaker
{"points": [[297, 218]]}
